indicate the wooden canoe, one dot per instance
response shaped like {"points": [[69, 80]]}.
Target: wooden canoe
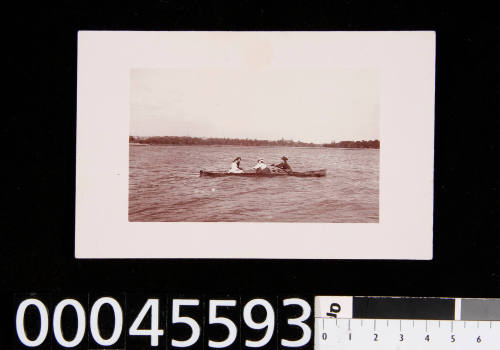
{"points": [[312, 173]]}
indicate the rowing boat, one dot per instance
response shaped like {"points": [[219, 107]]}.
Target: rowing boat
{"points": [[312, 173]]}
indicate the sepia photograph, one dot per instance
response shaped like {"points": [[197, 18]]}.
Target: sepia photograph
{"points": [[274, 145], [254, 145]]}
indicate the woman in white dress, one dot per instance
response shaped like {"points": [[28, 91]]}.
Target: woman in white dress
{"points": [[235, 166]]}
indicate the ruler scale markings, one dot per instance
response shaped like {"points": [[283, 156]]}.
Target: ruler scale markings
{"points": [[391, 338]]}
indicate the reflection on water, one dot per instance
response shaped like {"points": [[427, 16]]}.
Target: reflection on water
{"points": [[164, 185]]}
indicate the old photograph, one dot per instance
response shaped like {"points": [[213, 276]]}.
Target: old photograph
{"points": [[276, 145], [254, 145]]}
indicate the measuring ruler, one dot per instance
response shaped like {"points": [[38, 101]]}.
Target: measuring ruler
{"points": [[346, 322]]}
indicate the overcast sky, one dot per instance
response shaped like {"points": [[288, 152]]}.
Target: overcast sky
{"points": [[309, 105]]}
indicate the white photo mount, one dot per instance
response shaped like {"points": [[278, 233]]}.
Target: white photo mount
{"points": [[406, 65]]}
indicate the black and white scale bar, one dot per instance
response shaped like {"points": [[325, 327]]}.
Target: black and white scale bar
{"points": [[354, 307]]}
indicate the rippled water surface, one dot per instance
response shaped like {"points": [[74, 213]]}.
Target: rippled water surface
{"points": [[164, 185]]}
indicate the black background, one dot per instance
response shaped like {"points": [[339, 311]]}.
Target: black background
{"points": [[38, 154]]}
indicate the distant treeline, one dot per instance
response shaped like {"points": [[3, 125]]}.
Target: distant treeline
{"points": [[187, 140], [354, 144]]}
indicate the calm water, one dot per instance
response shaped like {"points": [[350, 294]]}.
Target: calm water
{"points": [[164, 185]]}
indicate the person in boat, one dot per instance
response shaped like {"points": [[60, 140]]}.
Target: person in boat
{"points": [[235, 166], [284, 164], [261, 167]]}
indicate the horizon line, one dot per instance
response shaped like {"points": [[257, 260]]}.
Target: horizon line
{"points": [[254, 139]]}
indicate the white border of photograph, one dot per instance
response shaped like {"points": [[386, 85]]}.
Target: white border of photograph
{"points": [[406, 64]]}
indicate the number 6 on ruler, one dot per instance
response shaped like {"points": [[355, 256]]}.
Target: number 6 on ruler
{"points": [[299, 321]]}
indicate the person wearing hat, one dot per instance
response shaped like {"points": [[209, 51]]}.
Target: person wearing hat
{"points": [[261, 167], [284, 164], [235, 166]]}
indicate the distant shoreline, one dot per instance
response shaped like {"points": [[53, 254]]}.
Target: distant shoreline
{"points": [[198, 141], [319, 147]]}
